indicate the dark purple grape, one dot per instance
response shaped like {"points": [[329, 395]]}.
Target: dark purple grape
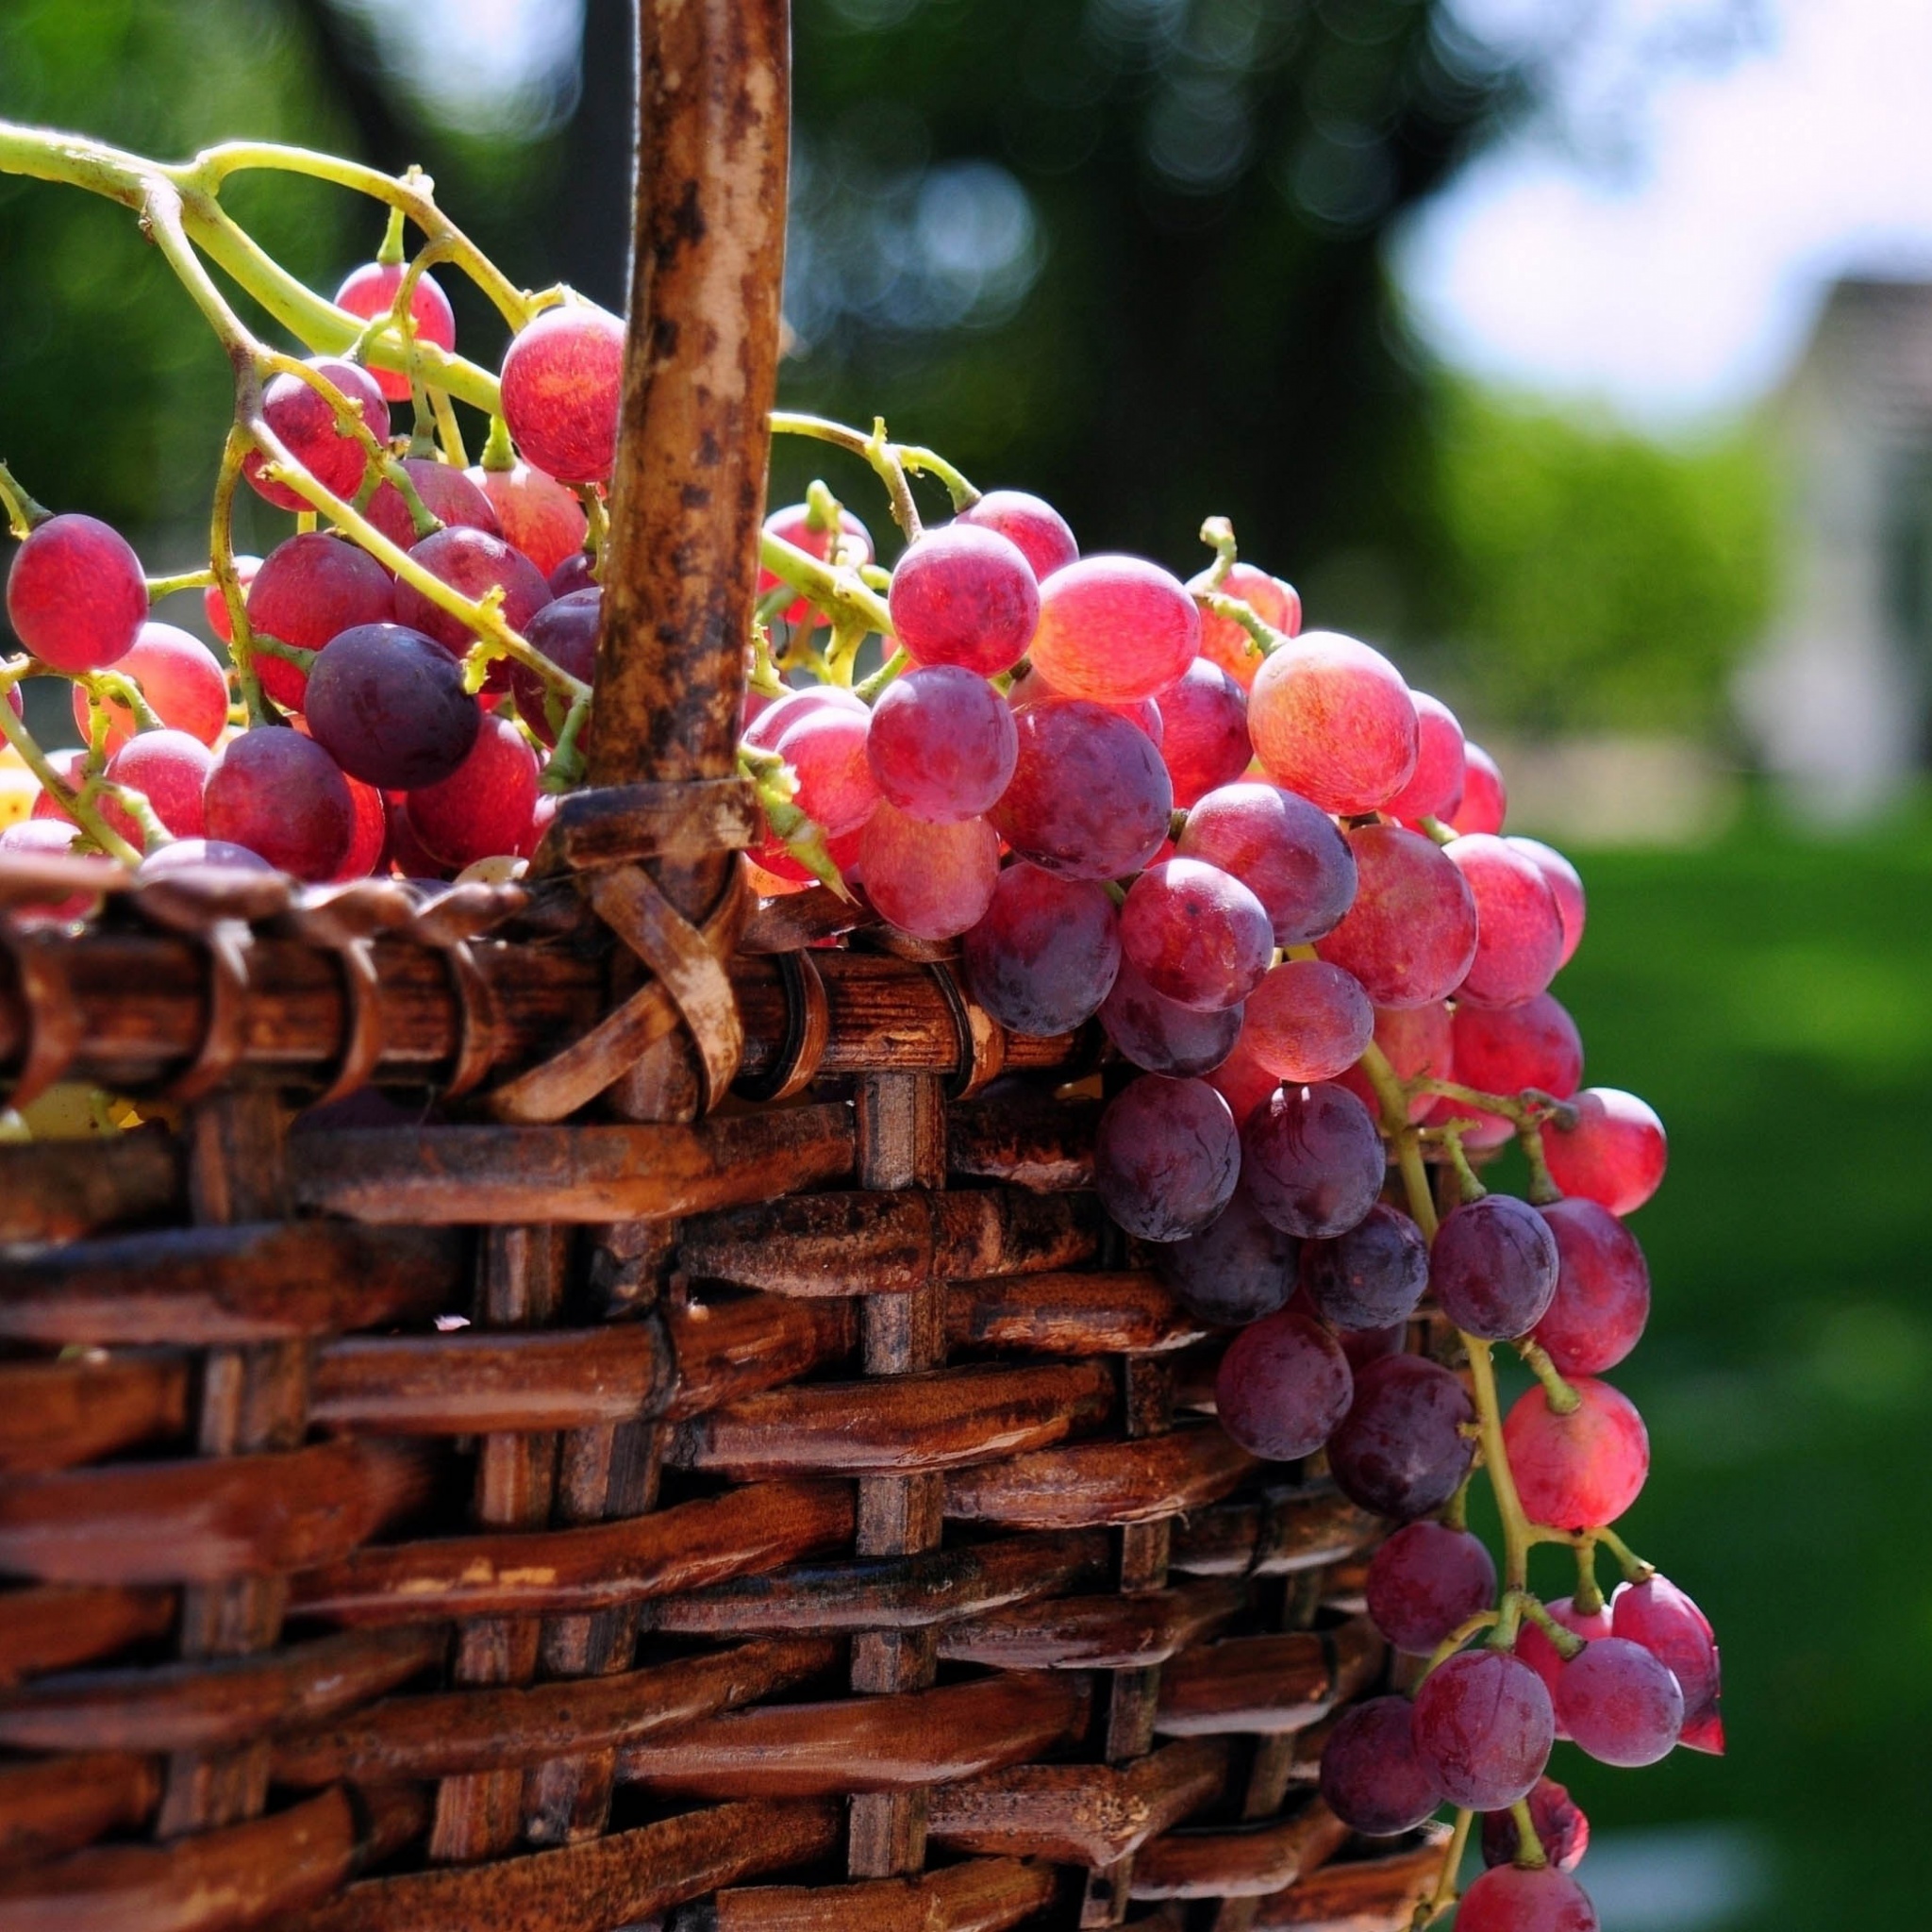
{"points": [[282, 795], [565, 630], [1494, 1267], [1620, 1703], [1043, 959], [1602, 1290], [1285, 850], [1560, 1827], [1237, 1269], [1372, 1778], [1161, 1033], [1313, 1160], [389, 705], [1282, 1387], [1426, 1580], [1166, 1157], [1090, 798], [1372, 1276], [1400, 1450], [1484, 1725]]}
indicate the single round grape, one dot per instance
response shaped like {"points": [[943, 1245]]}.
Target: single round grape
{"points": [[1239, 1268], [172, 769], [280, 794], [76, 594], [1484, 1725], [1372, 1778], [562, 380], [793, 524], [1415, 1040], [1616, 1153], [1506, 1049], [1090, 798], [1492, 1267], [448, 495], [1240, 1079], [307, 590], [826, 749], [1519, 930], [1029, 687], [371, 291], [778, 714], [1204, 741], [1286, 851], [304, 422], [1162, 1036], [1371, 1276], [1308, 1020], [1231, 645], [964, 596], [474, 563], [577, 572], [389, 705], [1564, 882], [483, 808], [931, 881], [1425, 1581], [1410, 933], [1166, 1157], [1313, 1160], [1515, 1898], [1434, 787], [215, 607], [1332, 720], [1543, 1656], [1561, 1828], [181, 681], [186, 853], [1602, 1302], [1484, 799], [1619, 1704], [565, 630], [1400, 1450], [1656, 1614], [1033, 527], [1044, 956], [1582, 1470], [535, 514], [368, 842], [942, 743], [1282, 1387], [1114, 628], [1197, 935]]}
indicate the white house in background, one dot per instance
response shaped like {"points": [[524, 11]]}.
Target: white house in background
{"points": [[1839, 698]]}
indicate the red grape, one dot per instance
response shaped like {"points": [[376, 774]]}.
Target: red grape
{"points": [[1541, 1656], [1162, 1036], [1484, 799], [1046, 951], [371, 291], [1614, 1155], [1313, 1160], [1434, 787], [1484, 1725], [1506, 1049], [942, 744], [1401, 1450], [1238, 1268], [1425, 1581], [1582, 1470], [1565, 883], [1656, 1614], [780, 714], [1197, 935], [535, 514], [1333, 719], [368, 842], [931, 881], [389, 705], [1204, 741], [1029, 687], [963, 595], [474, 563], [70, 766], [562, 379], [408, 856], [1371, 1276], [826, 749], [180, 678], [1619, 1704], [1034, 528], [1372, 1778], [1166, 1157], [40, 838], [1412, 932], [1240, 1079], [1308, 1020], [448, 495], [76, 594], [1090, 798], [1519, 930], [1517, 1898], [565, 630], [483, 808], [310, 589], [1229, 644], [1602, 1290], [793, 524], [1415, 1040], [1286, 851], [184, 853], [280, 794], [172, 769], [305, 421], [1282, 1387], [215, 607], [1113, 629], [1560, 1827], [575, 573], [1492, 1267]]}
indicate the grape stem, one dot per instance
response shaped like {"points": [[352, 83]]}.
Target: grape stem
{"points": [[1439, 1901], [1529, 1847], [1561, 1397], [833, 589], [24, 515], [77, 805], [892, 460], [1218, 534]]}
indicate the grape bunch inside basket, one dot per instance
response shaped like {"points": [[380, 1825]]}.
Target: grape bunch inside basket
{"points": [[849, 1290]]}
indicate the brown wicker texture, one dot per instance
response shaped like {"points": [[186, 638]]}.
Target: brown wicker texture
{"points": [[716, 1461]]}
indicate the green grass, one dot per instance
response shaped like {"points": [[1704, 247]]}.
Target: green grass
{"points": [[1773, 999]]}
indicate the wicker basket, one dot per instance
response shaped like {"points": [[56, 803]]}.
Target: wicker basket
{"points": [[777, 1498]]}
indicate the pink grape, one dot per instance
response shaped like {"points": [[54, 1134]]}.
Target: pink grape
{"points": [[1506, 1049], [448, 495], [565, 630], [1412, 932], [1541, 1656], [1656, 1614], [39, 838], [1029, 687], [1240, 1267], [282, 795], [1515, 1898], [1484, 799], [931, 881], [1312, 1161], [535, 514], [1579, 1471], [70, 766], [1426, 1580], [1162, 1036], [1519, 930], [826, 749], [1602, 1290], [1372, 1778], [1045, 953], [1484, 1725], [1371, 1276], [1197, 935], [483, 808], [1282, 1387], [1166, 1157], [371, 291], [1114, 629], [1034, 528], [942, 744], [1229, 644], [1564, 882], [1492, 1267], [1616, 1153], [215, 607], [474, 563], [1308, 1020], [562, 379], [1560, 1827], [1204, 741], [389, 705], [1434, 787], [172, 769], [1416, 1041], [185, 852], [308, 589], [180, 678], [1401, 1450], [304, 422], [1332, 720], [1240, 1079], [1090, 798], [793, 524], [1286, 851], [76, 594], [1619, 1704], [779, 715], [964, 596]]}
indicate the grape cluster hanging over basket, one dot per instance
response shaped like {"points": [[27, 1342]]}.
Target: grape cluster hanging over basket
{"points": [[693, 1231]]}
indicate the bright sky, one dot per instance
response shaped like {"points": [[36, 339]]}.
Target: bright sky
{"points": [[1684, 286]]}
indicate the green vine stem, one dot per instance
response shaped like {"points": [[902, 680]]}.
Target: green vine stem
{"points": [[1529, 1847], [24, 515], [892, 460], [77, 805], [1439, 1901]]}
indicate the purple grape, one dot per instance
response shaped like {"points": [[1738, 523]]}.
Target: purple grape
{"points": [[1282, 1387], [1313, 1160], [76, 594], [1400, 1450], [1372, 1778], [1166, 1157], [282, 795], [1372, 1276], [1043, 959], [1090, 798], [1494, 1267], [1484, 1725], [1425, 1581], [1285, 850], [1602, 1290], [389, 705], [1196, 934], [565, 630], [942, 743], [1161, 1035], [1620, 1703], [1237, 1269]]}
